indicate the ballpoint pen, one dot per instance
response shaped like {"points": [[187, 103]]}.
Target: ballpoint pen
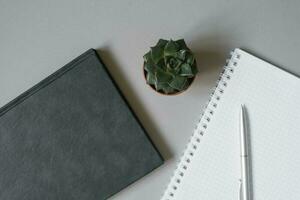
{"points": [[245, 173]]}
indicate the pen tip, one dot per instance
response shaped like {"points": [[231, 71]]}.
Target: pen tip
{"points": [[243, 108]]}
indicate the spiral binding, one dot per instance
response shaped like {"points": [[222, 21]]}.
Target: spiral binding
{"points": [[204, 119]]}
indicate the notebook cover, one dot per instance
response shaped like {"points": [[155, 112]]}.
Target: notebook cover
{"points": [[72, 136]]}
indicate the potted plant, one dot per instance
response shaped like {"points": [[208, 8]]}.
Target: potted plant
{"points": [[169, 67]]}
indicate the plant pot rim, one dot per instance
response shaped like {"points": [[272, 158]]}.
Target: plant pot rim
{"points": [[171, 94]]}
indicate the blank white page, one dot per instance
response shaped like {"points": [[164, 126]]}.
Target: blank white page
{"points": [[210, 166]]}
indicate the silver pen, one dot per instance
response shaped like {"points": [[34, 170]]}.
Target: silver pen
{"points": [[245, 168]]}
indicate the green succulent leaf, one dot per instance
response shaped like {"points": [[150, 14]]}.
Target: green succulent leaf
{"points": [[160, 63], [186, 70], [167, 89], [157, 54], [194, 69], [163, 76], [149, 67], [181, 54], [179, 62], [150, 78], [160, 86], [181, 44], [179, 82], [174, 72], [147, 57], [170, 65], [175, 67], [190, 59], [162, 43], [171, 48], [173, 63]]}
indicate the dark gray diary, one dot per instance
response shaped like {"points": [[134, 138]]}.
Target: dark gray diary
{"points": [[72, 137]]}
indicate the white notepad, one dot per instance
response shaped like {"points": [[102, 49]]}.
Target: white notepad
{"points": [[210, 166]]}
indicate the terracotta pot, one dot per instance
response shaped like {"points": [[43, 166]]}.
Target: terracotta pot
{"points": [[171, 94]]}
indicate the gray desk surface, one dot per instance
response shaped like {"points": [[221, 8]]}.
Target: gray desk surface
{"points": [[38, 37]]}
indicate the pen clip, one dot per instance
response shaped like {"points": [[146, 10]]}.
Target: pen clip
{"points": [[241, 191]]}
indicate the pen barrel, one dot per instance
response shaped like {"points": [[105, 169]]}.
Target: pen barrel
{"points": [[243, 134], [245, 165], [245, 175]]}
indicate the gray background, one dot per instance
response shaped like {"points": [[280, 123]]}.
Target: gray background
{"points": [[38, 37]]}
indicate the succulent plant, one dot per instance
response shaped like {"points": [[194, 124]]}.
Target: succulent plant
{"points": [[170, 66]]}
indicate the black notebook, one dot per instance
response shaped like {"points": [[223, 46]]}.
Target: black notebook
{"points": [[72, 137]]}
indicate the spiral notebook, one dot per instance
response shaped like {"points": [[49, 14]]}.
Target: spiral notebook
{"points": [[210, 166]]}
